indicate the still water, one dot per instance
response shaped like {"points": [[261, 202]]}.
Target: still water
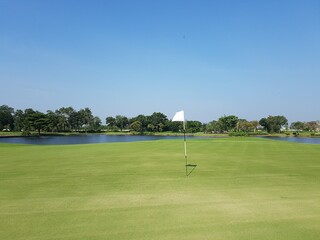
{"points": [[97, 138], [82, 139], [296, 139]]}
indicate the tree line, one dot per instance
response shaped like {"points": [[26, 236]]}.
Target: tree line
{"points": [[68, 119], [64, 119], [270, 124]]}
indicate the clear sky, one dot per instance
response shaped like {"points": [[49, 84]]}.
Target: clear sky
{"points": [[247, 58]]}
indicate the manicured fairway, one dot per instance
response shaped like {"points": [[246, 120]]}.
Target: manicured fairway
{"points": [[243, 188]]}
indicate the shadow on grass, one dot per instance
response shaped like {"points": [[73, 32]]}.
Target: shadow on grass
{"points": [[193, 166]]}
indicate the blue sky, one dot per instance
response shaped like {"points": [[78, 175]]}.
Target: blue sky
{"points": [[209, 58]]}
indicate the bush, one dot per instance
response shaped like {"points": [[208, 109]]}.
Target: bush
{"points": [[26, 133], [257, 133], [238, 134], [314, 134]]}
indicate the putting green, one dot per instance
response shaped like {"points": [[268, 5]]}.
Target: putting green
{"points": [[242, 188]]}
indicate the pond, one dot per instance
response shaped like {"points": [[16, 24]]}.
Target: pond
{"points": [[100, 138], [308, 140], [82, 139]]}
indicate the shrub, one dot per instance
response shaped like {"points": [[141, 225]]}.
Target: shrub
{"points": [[26, 133], [238, 134], [257, 133]]}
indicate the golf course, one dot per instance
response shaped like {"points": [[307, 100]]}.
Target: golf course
{"points": [[242, 188]]}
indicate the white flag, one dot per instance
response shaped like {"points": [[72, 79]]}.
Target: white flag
{"points": [[178, 117]]}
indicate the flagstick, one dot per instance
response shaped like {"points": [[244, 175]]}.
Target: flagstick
{"points": [[185, 147], [179, 117]]}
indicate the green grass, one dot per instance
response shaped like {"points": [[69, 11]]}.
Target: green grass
{"points": [[9, 134], [242, 188]]}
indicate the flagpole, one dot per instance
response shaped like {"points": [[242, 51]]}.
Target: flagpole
{"points": [[179, 117], [185, 146]]}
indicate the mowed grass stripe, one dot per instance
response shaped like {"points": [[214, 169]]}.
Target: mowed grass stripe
{"points": [[242, 188]]}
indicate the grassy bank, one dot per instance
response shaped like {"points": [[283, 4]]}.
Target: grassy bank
{"points": [[242, 188], [10, 134]]}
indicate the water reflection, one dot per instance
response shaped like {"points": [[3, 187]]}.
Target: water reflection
{"points": [[296, 139], [82, 139], [97, 138]]}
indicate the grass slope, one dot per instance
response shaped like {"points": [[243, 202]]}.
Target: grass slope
{"points": [[243, 188]]}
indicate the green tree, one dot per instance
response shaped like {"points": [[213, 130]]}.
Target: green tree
{"points": [[144, 120], [273, 123], [150, 127], [6, 117], [298, 126], [122, 122], [228, 123], [18, 119], [277, 122], [95, 124], [254, 125], [244, 126], [175, 126], [27, 120], [214, 127], [53, 122], [64, 114], [111, 122], [159, 121], [136, 126], [85, 118], [193, 126], [38, 120], [75, 121], [264, 123]]}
